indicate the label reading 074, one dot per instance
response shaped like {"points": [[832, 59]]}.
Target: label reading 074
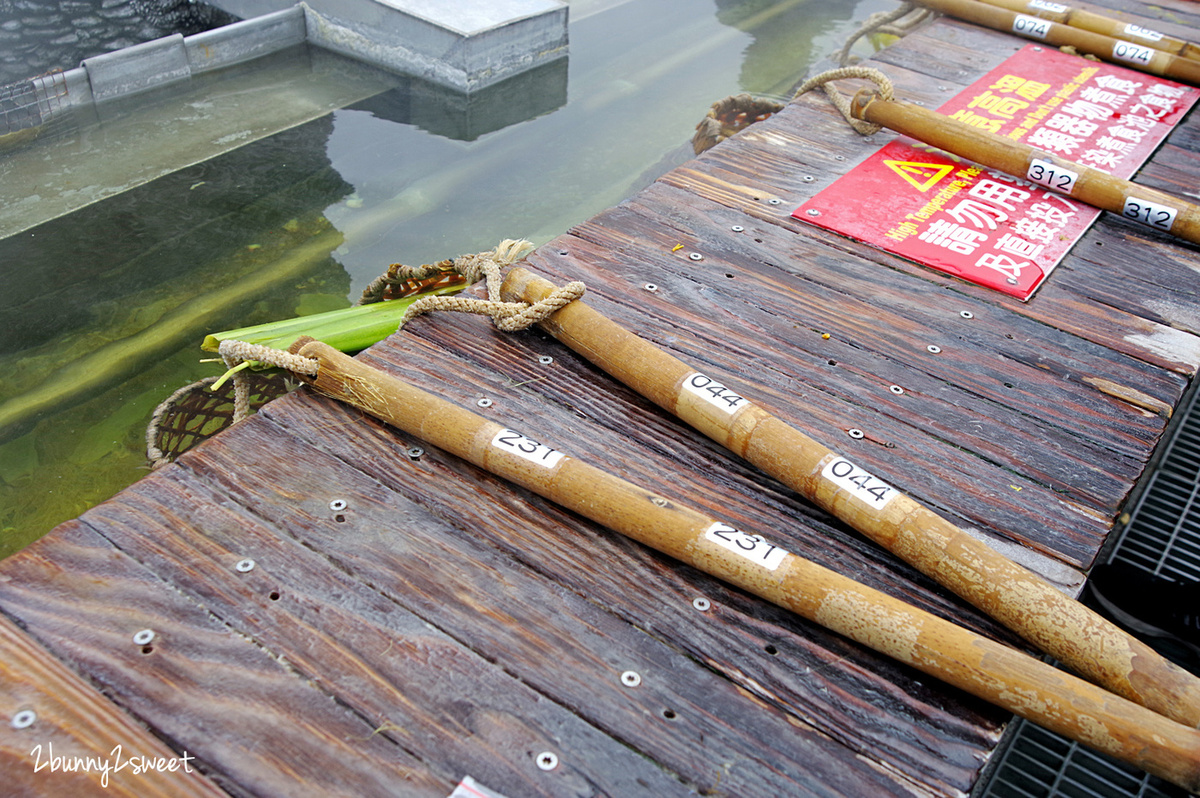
{"points": [[714, 393], [510, 440], [1048, 174], [1133, 53], [752, 547], [1031, 26]]}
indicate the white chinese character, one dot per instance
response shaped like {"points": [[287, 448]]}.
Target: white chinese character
{"points": [[1163, 90], [1053, 140], [979, 214], [1049, 214], [1128, 133], [1117, 84], [1111, 99], [1035, 230], [1071, 125], [1086, 110], [1016, 245], [1118, 145], [1140, 121], [1101, 160], [1000, 194], [953, 237], [1003, 264]]}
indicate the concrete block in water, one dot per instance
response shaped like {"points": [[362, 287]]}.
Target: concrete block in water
{"points": [[463, 44]]}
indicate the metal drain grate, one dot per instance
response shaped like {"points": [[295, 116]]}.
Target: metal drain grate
{"points": [[1163, 538], [1041, 764]]}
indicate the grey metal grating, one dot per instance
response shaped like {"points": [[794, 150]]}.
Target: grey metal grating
{"points": [[1041, 764], [1163, 538]]}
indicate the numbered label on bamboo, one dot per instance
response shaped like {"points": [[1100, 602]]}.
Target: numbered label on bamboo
{"points": [[1143, 33], [1151, 214], [1133, 53], [752, 547], [513, 442], [861, 484], [1051, 175], [714, 393], [1042, 5], [1033, 27]]}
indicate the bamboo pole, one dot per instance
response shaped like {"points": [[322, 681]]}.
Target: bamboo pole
{"points": [[1134, 55], [1010, 593], [1155, 209], [986, 669], [1096, 23]]}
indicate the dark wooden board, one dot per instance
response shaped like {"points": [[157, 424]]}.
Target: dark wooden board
{"points": [[73, 722], [446, 623]]}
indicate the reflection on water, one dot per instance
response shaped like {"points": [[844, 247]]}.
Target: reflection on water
{"points": [[105, 307]]}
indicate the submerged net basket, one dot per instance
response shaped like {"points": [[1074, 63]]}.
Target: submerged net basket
{"points": [[729, 116], [195, 413]]}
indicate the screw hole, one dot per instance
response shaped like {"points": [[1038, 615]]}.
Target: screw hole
{"points": [[730, 276], [147, 649], [771, 650], [833, 362], [339, 518], [273, 595], [1008, 385], [669, 714]]}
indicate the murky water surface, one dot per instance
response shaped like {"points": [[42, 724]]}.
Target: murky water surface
{"points": [[281, 206]]}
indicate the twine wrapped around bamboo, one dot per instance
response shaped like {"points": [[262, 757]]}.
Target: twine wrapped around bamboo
{"points": [[1155, 209], [1010, 593], [982, 667], [1055, 34]]}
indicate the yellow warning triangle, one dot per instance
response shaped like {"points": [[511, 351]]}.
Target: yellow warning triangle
{"points": [[923, 176]]}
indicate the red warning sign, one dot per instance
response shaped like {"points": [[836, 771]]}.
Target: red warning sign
{"points": [[1007, 232]]}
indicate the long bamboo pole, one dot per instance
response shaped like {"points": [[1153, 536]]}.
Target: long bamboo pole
{"points": [[1096, 23], [987, 669], [1008, 592], [1119, 51], [1155, 209]]}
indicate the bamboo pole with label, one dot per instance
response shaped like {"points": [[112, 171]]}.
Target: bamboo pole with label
{"points": [[1010, 593], [982, 667], [1096, 23], [1155, 209], [1130, 54]]}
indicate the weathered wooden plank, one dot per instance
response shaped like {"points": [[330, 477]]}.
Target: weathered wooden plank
{"points": [[73, 739], [771, 160], [960, 486], [817, 290], [250, 722], [432, 694], [430, 561]]}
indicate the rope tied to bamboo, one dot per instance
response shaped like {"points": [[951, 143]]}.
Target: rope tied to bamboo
{"points": [[507, 316], [886, 90]]}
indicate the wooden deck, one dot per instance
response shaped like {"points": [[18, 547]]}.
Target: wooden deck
{"points": [[445, 624]]}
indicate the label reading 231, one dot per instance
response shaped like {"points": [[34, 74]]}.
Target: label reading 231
{"points": [[752, 547], [512, 441]]}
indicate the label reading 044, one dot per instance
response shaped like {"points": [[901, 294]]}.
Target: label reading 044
{"points": [[714, 393], [862, 485], [510, 440], [752, 547]]}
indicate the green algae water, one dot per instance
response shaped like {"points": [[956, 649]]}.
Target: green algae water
{"points": [[312, 175]]}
